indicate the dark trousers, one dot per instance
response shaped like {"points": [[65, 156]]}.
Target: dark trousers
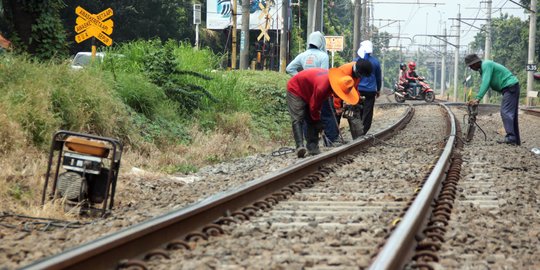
{"points": [[367, 110], [414, 87], [299, 112], [509, 112], [328, 118]]}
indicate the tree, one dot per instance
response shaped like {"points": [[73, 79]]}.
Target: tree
{"points": [[34, 26], [527, 3], [146, 20], [511, 49]]}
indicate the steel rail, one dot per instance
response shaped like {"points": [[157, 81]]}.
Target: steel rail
{"points": [[398, 249], [134, 241], [535, 111]]}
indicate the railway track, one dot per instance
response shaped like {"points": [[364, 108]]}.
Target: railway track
{"points": [[532, 111], [494, 222], [299, 186]]}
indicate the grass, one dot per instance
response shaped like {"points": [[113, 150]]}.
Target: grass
{"points": [[243, 114]]}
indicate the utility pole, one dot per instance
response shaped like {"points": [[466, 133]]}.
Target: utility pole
{"points": [[233, 51], [443, 65], [364, 27], [314, 20], [456, 58], [399, 43], [435, 62], [244, 36], [284, 45], [530, 60], [487, 50], [356, 26]]}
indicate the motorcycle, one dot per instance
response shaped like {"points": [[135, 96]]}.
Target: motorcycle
{"points": [[424, 93]]}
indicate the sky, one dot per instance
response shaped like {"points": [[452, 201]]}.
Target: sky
{"points": [[422, 19]]}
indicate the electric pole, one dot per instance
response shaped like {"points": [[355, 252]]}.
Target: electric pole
{"points": [[233, 51], [399, 43], [244, 36], [530, 60], [456, 57], [283, 46], [364, 21], [356, 26], [487, 50], [443, 65], [314, 20]]}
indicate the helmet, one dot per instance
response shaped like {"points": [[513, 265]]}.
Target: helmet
{"points": [[412, 65], [402, 65]]}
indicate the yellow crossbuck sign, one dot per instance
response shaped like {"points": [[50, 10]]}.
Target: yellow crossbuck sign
{"points": [[93, 25], [264, 14]]}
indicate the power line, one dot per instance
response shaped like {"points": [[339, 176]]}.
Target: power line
{"points": [[476, 17]]}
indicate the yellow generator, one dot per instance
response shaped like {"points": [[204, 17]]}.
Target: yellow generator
{"points": [[85, 171]]}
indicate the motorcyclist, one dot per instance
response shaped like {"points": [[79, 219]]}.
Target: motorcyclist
{"points": [[402, 79], [412, 77]]}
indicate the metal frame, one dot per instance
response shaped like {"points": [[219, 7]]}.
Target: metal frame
{"points": [[57, 145]]}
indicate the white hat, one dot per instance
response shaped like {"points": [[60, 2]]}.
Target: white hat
{"points": [[365, 47]]}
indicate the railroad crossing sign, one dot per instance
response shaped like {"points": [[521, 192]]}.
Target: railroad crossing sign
{"points": [[264, 14], [94, 25]]}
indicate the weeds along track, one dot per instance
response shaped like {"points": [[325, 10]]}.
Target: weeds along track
{"points": [[332, 210]]}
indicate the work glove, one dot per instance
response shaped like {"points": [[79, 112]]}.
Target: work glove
{"points": [[473, 102]]}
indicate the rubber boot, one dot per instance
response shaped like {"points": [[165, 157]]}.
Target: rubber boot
{"points": [[299, 140], [312, 138]]}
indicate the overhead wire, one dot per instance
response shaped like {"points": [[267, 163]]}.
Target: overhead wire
{"points": [[475, 18], [500, 8]]}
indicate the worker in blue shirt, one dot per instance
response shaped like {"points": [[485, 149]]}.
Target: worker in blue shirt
{"points": [[369, 88]]}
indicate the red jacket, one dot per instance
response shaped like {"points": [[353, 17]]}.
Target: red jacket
{"points": [[411, 76], [313, 87]]}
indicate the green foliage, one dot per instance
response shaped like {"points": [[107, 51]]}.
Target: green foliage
{"points": [[391, 61], [510, 50], [19, 191], [213, 95], [181, 168], [37, 27], [339, 22], [266, 91], [160, 64], [141, 95], [297, 43], [44, 97], [48, 32], [162, 131], [213, 159], [134, 104], [135, 20], [261, 94]]}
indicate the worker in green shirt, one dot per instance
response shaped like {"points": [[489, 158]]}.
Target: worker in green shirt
{"points": [[500, 79]]}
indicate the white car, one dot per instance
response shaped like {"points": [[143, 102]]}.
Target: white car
{"points": [[82, 59]]}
